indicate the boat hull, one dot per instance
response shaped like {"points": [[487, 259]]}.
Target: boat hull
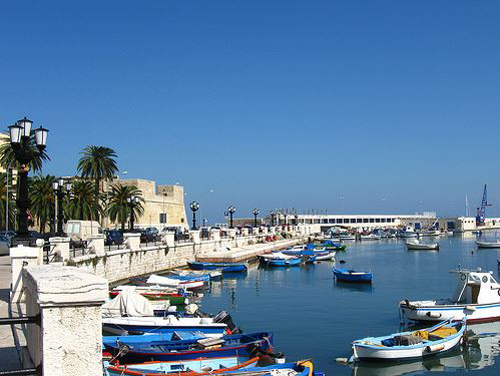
{"points": [[481, 312], [422, 247], [360, 277], [362, 352], [492, 245], [224, 267]]}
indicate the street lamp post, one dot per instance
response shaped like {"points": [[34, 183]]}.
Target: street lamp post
{"points": [[61, 189], [132, 202], [272, 214], [194, 206], [255, 214], [231, 211], [24, 152]]}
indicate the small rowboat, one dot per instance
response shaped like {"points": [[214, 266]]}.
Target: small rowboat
{"points": [[348, 275], [280, 259], [488, 244], [201, 366], [224, 267], [248, 345], [302, 368], [415, 245], [411, 345]]}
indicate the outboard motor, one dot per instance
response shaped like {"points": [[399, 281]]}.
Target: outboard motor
{"points": [[225, 318]]}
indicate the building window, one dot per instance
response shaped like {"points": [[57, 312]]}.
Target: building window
{"points": [[365, 220], [331, 220], [377, 220], [346, 220], [182, 220], [353, 220], [372, 220], [163, 217], [359, 220], [339, 220]]}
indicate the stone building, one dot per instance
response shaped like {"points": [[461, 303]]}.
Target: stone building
{"points": [[163, 204]]}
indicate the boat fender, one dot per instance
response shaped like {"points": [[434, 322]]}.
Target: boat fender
{"points": [[470, 308], [342, 360], [434, 348], [434, 315]]}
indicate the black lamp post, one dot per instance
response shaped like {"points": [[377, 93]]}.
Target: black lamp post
{"points": [[24, 152], [255, 214], [61, 189], [272, 214], [231, 211], [194, 206], [132, 202]]}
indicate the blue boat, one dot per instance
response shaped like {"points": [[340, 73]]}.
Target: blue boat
{"points": [[349, 275], [224, 267], [279, 259], [202, 366], [230, 345], [303, 368]]}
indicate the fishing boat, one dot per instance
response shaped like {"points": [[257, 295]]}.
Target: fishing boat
{"points": [[168, 324], [317, 254], [429, 233], [332, 246], [159, 280], [302, 368], [477, 297], [407, 232], [344, 237], [154, 293], [415, 245], [200, 366], [349, 275], [370, 237], [411, 344], [481, 244], [280, 259], [224, 267], [248, 345]]}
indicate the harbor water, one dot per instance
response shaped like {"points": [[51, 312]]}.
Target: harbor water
{"points": [[312, 316]]}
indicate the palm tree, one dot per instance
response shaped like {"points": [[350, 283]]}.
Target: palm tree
{"points": [[82, 203], [97, 162], [3, 203], [8, 158], [42, 200], [119, 207]]}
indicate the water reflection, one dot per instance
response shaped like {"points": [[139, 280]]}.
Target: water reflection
{"points": [[361, 287], [482, 346]]}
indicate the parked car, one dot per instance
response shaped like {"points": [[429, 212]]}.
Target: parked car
{"points": [[177, 230], [113, 237], [4, 245], [79, 231], [149, 234]]}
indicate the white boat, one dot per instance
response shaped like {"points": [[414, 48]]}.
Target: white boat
{"points": [[477, 298], [407, 232], [429, 233], [370, 237], [415, 245], [171, 282], [412, 344], [166, 324], [488, 244], [347, 237]]}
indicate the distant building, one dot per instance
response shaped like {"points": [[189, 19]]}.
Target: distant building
{"points": [[163, 206], [361, 221]]}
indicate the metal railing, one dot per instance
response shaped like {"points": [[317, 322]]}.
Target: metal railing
{"points": [[37, 319]]}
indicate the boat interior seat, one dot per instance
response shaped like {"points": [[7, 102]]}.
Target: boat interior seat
{"points": [[403, 340]]}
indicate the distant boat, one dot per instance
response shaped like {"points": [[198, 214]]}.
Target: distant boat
{"points": [[407, 232], [349, 275], [347, 237], [222, 266], [414, 244], [412, 344], [370, 237], [488, 244]]}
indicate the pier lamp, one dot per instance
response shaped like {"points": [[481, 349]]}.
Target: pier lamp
{"points": [[132, 202], [61, 189], [26, 149], [231, 211], [255, 214], [194, 206], [273, 215]]}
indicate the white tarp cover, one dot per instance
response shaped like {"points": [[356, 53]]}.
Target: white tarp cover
{"points": [[128, 303], [159, 280]]}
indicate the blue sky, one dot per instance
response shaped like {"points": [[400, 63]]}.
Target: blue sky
{"points": [[393, 105]]}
